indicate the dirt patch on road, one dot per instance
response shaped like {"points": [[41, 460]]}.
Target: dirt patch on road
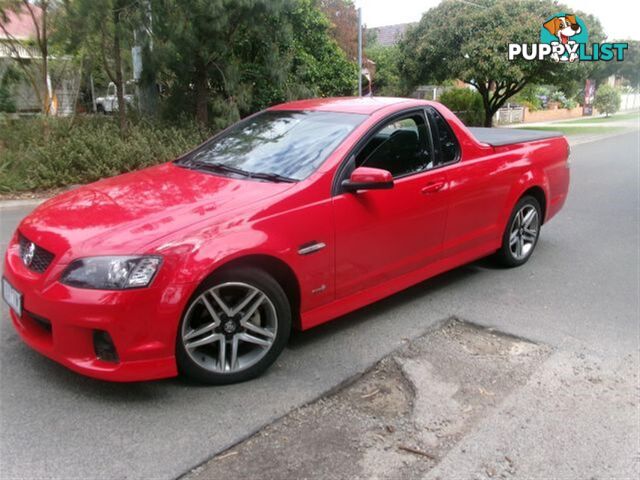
{"points": [[397, 420]]}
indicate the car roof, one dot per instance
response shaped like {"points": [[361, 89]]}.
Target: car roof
{"points": [[363, 105]]}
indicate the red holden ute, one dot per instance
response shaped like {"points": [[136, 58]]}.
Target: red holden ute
{"points": [[287, 219]]}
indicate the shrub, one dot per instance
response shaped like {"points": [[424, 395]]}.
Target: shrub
{"points": [[531, 97], [6, 102], [465, 103], [38, 154], [607, 100]]}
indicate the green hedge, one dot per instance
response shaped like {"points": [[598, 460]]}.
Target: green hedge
{"points": [[35, 155]]}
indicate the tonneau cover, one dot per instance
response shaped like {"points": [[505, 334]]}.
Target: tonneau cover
{"points": [[508, 136]]}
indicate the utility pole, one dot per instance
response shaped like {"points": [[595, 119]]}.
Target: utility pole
{"points": [[143, 45], [360, 52]]}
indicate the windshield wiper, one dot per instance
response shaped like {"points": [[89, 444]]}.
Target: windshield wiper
{"points": [[216, 167], [220, 167], [275, 177]]}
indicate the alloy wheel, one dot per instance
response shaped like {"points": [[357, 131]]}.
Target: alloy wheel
{"points": [[229, 327], [524, 232]]}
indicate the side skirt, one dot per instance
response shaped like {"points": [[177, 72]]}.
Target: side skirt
{"points": [[342, 306]]}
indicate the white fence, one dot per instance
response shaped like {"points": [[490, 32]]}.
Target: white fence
{"points": [[509, 114], [630, 101]]}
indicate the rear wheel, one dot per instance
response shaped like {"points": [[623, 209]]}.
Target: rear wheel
{"points": [[521, 234], [236, 325]]}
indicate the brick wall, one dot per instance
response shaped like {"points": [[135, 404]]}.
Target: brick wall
{"points": [[557, 114]]}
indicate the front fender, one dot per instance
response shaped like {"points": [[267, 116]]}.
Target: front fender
{"points": [[199, 254]]}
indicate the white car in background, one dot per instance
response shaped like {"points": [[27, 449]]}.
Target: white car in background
{"points": [[109, 103]]}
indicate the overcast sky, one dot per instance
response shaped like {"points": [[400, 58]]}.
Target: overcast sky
{"points": [[620, 18]]}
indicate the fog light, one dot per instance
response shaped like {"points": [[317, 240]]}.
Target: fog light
{"points": [[104, 347]]}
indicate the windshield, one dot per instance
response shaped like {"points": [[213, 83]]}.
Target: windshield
{"points": [[281, 144]]}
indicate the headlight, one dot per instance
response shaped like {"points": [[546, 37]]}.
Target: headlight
{"points": [[111, 273]]}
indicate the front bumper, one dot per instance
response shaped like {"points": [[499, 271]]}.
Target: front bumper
{"points": [[60, 322]]}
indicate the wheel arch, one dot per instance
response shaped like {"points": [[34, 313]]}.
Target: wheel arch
{"points": [[539, 194], [275, 267]]}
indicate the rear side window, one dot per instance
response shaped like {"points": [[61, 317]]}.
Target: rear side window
{"points": [[445, 142]]}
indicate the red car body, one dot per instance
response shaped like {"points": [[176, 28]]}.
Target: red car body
{"points": [[377, 242]]}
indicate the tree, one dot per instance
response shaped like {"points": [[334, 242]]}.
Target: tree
{"points": [[386, 79], [469, 41], [628, 69], [100, 31], [31, 56], [226, 59], [343, 16], [320, 67], [607, 100], [465, 103]]}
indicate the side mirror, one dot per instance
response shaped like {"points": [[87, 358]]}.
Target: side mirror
{"points": [[366, 178]]}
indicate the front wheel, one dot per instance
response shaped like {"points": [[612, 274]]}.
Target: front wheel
{"points": [[235, 326], [521, 234]]}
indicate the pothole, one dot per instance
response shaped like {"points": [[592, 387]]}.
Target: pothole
{"points": [[396, 421]]}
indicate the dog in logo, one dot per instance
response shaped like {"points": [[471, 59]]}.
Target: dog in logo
{"points": [[563, 27]]}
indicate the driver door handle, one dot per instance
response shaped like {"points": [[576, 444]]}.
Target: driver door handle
{"points": [[433, 187]]}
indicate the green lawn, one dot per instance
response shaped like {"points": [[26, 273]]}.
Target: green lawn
{"points": [[577, 130], [613, 118]]}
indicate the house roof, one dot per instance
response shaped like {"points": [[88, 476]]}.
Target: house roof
{"points": [[389, 35], [20, 25]]}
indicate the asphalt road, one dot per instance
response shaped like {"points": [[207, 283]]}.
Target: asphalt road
{"points": [[579, 291]]}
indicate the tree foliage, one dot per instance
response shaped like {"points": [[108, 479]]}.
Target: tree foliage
{"points": [[469, 41], [628, 69], [100, 32], [343, 18], [607, 100], [226, 59], [465, 103], [386, 79]]}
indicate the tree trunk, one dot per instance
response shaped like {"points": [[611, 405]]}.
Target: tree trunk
{"points": [[122, 108], [202, 93], [488, 111], [488, 118]]}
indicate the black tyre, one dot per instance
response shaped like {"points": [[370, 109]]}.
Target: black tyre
{"points": [[521, 234], [234, 327]]}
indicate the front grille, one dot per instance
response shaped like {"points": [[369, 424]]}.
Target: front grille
{"points": [[41, 258]]}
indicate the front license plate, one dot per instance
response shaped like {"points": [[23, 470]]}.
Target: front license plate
{"points": [[12, 297]]}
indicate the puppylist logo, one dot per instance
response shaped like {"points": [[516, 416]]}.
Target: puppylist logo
{"points": [[564, 38]]}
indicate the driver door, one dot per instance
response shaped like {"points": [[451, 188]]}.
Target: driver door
{"points": [[382, 234]]}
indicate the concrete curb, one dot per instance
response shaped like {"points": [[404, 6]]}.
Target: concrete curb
{"points": [[7, 204]]}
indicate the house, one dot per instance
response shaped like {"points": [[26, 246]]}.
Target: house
{"points": [[17, 30], [19, 52]]}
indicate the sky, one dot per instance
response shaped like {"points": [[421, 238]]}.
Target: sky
{"points": [[620, 18]]}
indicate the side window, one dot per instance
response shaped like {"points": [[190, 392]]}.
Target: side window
{"points": [[445, 142], [401, 146]]}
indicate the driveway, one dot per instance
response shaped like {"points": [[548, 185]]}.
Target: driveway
{"points": [[579, 291]]}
